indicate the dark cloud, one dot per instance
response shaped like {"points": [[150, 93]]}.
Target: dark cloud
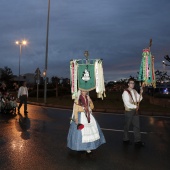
{"points": [[115, 31]]}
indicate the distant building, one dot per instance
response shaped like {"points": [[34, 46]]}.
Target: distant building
{"points": [[29, 78], [18, 79]]}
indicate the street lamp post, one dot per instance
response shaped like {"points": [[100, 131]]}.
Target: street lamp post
{"points": [[164, 66], [20, 43], [163, 62], [166, 58], [46, 54]]}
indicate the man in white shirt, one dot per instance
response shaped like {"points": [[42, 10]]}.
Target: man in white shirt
{"points": [[131, 98], [23, 95]]}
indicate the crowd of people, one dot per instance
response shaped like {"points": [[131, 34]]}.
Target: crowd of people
{"points": [[8, 101]]}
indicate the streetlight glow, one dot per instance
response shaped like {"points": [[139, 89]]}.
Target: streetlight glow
{"points": [[44, 73], [23, 42]]}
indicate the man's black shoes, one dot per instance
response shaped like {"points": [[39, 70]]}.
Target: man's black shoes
{"points": [[140, 144], [137, 144], [127, 142]]}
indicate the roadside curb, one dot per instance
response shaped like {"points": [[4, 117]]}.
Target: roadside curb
{"points": [[102, 110]]}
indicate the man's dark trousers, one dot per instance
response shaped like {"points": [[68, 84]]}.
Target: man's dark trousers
{"points": [[23, 99], [132, 118]]}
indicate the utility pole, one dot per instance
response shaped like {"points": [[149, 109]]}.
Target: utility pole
{"points": [[46, 55], [37, 76]]}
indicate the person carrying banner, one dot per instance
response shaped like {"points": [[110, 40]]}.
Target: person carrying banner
{"points": [[84, 133], [131, 98]]}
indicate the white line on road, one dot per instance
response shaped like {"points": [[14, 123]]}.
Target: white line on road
{"points": [[119, 114], [117, 130], [114, 114]]}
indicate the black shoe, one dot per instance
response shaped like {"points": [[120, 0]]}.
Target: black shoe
{"points": [[90, 154], [140, 144], [127, 142]]}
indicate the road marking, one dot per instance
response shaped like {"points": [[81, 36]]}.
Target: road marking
{"points": [[117, 114], [120, 114], [117, 130], [57, 108]]}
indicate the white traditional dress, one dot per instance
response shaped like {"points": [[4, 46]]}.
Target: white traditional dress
{"points": [[91, 136]]}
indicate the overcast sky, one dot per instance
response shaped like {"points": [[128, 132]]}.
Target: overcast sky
{"points": [[114, 30]]}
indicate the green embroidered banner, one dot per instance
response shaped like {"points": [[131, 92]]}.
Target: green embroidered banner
{"points": [[146, 72], [86, 77]]}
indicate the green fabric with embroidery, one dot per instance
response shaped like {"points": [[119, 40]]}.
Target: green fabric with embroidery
{"points": [[146, 74], [86, 77]]}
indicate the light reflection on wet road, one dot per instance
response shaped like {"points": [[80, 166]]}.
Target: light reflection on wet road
{"points": [[39, 142]]}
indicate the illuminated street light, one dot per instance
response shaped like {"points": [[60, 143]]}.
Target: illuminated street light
{"points": [[20, 43], [168, 59], [24, 42], [163, 62], [44, 74]]}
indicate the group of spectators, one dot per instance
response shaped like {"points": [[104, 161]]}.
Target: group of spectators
{"points": [[8, 101]]}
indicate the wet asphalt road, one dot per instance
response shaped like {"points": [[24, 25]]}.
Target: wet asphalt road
{"points": [[39, 143]]}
